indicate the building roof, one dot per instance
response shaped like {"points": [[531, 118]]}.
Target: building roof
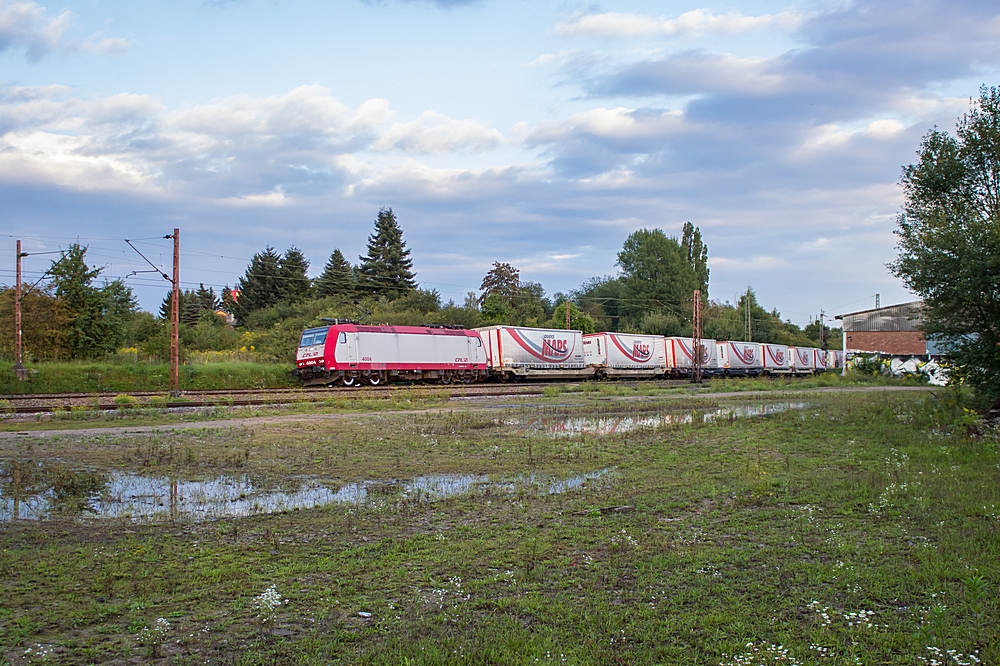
{"points": [[902, 317]]}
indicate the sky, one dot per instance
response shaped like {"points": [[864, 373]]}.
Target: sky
{"points": [[524, 131]]}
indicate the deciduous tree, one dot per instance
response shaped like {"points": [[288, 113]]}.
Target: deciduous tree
{"points": [[949, 240]]}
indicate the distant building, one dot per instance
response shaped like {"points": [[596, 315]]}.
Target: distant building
{"points": [[893, 330]]}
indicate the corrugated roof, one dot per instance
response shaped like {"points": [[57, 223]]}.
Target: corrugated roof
{"points": [[902, 317]]}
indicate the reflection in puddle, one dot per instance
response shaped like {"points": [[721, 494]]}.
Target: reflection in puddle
{"points": [[123, 495], [618, 424]]}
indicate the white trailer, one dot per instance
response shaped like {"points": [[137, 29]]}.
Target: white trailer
{"points": [[680, 355], [819, 360], [802, 360], [520, 352], [740, 358], [834, 359], [774, 358], [624, 354]]}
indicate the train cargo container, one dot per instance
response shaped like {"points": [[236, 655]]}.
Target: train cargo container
{"points": [[801, 360], [774, 358], [834, 359], [624, 355], [819, 360], [352, 354], [680, 355], [740, 358], [517, 352]]}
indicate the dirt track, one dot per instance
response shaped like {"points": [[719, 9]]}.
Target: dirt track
{"points": [[296, 418]]}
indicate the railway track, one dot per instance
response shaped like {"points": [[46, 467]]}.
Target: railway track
{"points": [[43, 403], [53, 402]]}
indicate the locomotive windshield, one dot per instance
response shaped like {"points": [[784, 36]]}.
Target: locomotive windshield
{"points": [[316, 336]]}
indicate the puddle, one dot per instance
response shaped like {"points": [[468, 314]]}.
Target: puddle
{"points": [[37, 493], [609, 425]]}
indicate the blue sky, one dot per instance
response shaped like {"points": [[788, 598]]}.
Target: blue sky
{"points": [[537, 133]]}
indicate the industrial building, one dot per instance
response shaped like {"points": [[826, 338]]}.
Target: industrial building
{"points": [[894, 330]]}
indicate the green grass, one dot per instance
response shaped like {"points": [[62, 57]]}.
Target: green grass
{"points": [[741, 531], [85, 377]]}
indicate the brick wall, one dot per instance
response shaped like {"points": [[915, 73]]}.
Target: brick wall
{"points": [[887, 342]]}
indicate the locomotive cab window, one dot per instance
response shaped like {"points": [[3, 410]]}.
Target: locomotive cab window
{"points": [[320, 338], [307, 340], [343, 338]]}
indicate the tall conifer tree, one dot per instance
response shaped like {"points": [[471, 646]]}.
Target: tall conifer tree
{"points": [[337, 278], [260, 286], [294, 284], [387, 270]]}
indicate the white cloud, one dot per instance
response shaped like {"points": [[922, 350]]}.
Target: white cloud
{"points": [[692, 23], [617, 123], [833, 135], [546, 58], [436, 133], [106, 46], [28, 27]]}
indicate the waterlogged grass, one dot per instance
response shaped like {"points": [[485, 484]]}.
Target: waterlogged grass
{"points": [[83, 377], [131, 413], [859, 529]]}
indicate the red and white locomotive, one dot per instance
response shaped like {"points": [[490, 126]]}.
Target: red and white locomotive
{"points": [[351, 354]]}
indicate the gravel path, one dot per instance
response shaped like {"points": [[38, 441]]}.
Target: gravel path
{"points": [[298, 418]]}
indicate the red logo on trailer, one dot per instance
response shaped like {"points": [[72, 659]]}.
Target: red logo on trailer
{"points": [[552, 349], [745, 355], [640, 351]]}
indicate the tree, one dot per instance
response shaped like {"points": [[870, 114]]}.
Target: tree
{"points": [[98, 316], [293, 283], [259, 287], [502, 281], [337, 278], [697, 255], [600, 297], [656, 275], [387, 270], [196, 303], [948, 235], [44, 324]]}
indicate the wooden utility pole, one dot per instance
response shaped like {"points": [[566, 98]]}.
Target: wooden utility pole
{"points": [[696, 338], [567, 314], [175, 319], [18, 347]]}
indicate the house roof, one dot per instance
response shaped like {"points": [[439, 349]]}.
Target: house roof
{"points": [[901, 317]]}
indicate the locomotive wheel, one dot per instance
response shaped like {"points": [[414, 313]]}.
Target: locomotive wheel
{"points": [[350, 381], [446, 378], [374, 380]]}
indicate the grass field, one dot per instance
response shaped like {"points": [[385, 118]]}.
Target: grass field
{"points": [[87, 376], [574, 528]]}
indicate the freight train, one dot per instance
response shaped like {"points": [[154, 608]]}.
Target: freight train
{"points": [[350, 354]]}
